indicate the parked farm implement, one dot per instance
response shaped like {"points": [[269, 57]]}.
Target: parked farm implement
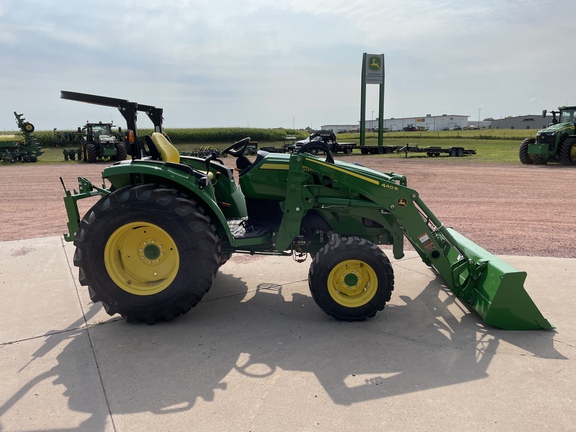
{"points": [[67, 139], [327, 137], [94, 142], [436, 151], [152, 244], [20, 147]]}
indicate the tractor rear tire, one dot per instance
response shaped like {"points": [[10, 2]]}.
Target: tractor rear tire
{"points": [[91, 153], [224, 257], [351, 279], [147, 253], [568, 151], [525, 158]]}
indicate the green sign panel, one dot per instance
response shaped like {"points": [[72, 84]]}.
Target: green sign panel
{"points": [[374, 69], [372, 73]]}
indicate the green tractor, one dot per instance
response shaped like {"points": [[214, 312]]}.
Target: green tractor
{"points": [[22, 147], [98, 141], [556, 143], [152, 244]]}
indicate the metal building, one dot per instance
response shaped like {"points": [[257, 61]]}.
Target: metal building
{"points": [[522, 122], [427, 122]]}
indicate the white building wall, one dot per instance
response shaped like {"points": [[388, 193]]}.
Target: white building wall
{"points": [[428, 122], [339, 127]]}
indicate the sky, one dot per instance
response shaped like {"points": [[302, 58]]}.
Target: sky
{"points": [[289, 63]]}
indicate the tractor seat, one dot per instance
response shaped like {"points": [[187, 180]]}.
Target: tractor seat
{"points": [[244, 168], [168, 153]]}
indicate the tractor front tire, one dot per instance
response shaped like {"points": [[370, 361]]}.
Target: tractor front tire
{"points": [[147, 253], [351, 279], [525, 157], [120, 151], [91, 153], [568, 151]]}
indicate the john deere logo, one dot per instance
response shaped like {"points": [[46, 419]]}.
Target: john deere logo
{"points": [[374, 63], [373, 67]]}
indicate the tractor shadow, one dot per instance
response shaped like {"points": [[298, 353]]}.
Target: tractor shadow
{"points": [[242, 334]]}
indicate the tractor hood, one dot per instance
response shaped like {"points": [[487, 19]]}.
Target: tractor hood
{"points": [[267, 177], [555, 128]]}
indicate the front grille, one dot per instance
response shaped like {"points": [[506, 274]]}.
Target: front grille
{"points": [[545, 139]]}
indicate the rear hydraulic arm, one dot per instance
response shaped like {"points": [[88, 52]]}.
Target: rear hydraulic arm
{"points": [[85, 190]]}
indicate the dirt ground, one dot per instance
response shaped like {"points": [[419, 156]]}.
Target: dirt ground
{"points": [[506, 209]]}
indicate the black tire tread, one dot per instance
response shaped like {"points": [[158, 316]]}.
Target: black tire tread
{"points": [[91, 153], [359, 246], [121, 151], [566, 151], [523, 152], [203, 242]]}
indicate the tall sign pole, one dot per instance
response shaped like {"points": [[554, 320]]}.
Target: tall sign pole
{"points": [[372, 73], [363, 104]]}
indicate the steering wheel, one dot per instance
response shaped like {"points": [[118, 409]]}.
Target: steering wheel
{"points": [[318, 145], [238, 148]]}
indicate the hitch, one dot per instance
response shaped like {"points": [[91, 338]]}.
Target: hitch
{"points": [[85, 190]]}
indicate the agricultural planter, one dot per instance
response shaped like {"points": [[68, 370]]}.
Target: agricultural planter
{"points": [[22, 147], [152, 244]]}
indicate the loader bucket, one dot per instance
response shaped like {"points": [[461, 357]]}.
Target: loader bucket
{"points": [[496, 290]]}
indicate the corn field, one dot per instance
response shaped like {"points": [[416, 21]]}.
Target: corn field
{"points": [[189, 136]]}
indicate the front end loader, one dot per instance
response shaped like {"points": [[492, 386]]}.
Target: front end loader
{"points": [[152, 244]]}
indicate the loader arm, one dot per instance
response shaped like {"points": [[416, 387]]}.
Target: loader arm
{"points": [[481, 280]]}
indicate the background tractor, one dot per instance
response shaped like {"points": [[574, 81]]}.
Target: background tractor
{"points": [[556, 143], [152, 244], [98, 141], [22, 147]]}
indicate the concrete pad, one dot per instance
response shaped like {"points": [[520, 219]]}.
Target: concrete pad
{"points": [[93, 313], [257, 354], [551, 283], [38, 291], [52, 384]]}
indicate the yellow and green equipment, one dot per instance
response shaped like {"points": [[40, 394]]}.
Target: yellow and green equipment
{"points": [[152, 244]]}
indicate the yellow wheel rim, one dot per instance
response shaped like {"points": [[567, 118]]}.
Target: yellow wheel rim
{"points": [[141, 258], [573, 152], [352, 283]]}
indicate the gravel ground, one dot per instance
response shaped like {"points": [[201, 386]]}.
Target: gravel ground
{"points": [[506, 209]]}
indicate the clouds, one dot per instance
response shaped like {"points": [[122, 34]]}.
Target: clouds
{"points": [[233, 63]]}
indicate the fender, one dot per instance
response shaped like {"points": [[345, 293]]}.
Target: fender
{"points": [[185, 178]]}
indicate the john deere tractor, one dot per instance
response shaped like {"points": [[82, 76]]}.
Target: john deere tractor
{"points": [[99, 142], [152, 244], [556, 143]]}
